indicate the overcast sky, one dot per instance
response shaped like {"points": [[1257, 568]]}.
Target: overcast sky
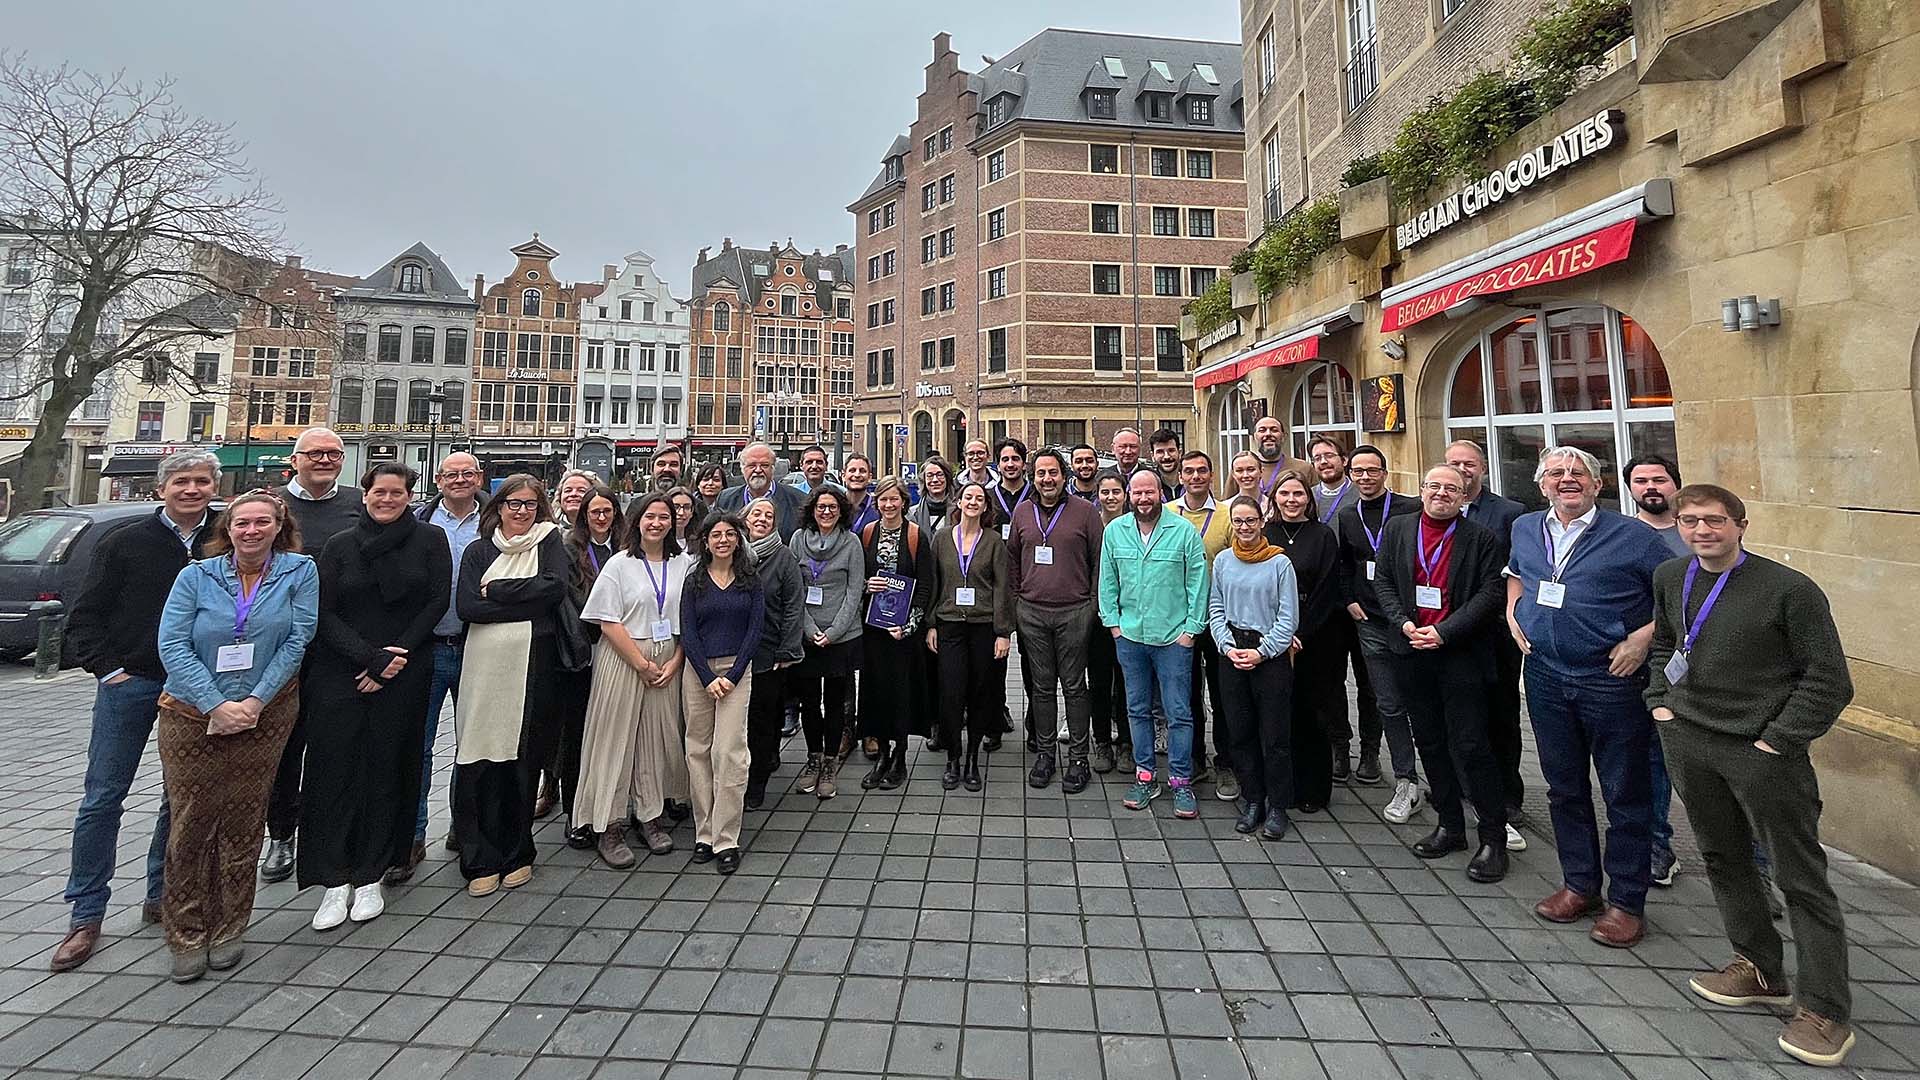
{"points": [[607, 127]]}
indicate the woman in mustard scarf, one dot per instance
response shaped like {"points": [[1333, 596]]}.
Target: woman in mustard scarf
{"points": [[1252, 611]]}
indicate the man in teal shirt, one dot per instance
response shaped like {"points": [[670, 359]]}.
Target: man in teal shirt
{"points": [[1153, 598]]}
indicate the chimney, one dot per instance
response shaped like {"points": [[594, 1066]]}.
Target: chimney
{"points": [[703, 255], [479, 287], [838, 248], [608, 271], [942, 44], [293, 262], [726, 244]]}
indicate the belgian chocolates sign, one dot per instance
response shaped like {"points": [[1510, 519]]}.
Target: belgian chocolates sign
{"points": [[1570, 148]]}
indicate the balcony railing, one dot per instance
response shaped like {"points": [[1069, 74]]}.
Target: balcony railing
{"points": [[1363, 74]]}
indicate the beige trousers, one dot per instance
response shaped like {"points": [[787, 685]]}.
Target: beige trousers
{"points": [[717, 755]]}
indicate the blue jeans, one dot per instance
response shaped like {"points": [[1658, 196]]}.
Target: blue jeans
{"points": [[1596, 725], [123, 716], [446, 681], [1170, 667]]}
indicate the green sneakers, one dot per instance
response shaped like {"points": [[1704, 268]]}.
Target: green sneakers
{"points": [[1144, 790]]}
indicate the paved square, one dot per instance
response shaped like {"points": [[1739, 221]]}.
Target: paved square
{"points": [[1002, 935]]}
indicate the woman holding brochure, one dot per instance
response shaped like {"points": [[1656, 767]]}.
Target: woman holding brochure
{"points": [[899, 564]]}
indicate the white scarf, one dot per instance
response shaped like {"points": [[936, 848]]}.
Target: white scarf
{"points": [[493, 671]]}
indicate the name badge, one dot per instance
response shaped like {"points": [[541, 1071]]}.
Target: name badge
{"points": [[1427, 596], [1043, 556], [816, 595], [236, 657], [1552, 594], [1006, 532], [963, 597], [663, 629], [1369, 569], [1676, 668]]}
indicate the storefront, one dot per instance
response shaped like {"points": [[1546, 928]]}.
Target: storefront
{"points": [[245, 466], [1622, 299], [130, 471]]}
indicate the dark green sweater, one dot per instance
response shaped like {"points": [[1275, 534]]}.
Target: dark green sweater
{"points": [[1767, 665]]}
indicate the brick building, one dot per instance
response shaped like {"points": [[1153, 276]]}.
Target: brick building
{"points": [[523, 370], [773, 342], [1026, 248], [633, 341], [284, 348]]}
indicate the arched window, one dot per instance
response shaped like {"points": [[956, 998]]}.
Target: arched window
{"points": [[1322, 402], [722, 317], [530, 303], [922, 436], [1604, 390], [413, 278], [453, 411], [1235, 423], [419, 407], [353, 394], [789, 301]]}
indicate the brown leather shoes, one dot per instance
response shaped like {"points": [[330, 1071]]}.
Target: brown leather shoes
{"points": [[1616, 929], [76, 947], [152, 914], [1567, 906]]}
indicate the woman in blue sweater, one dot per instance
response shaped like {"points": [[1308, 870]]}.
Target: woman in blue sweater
{"points": [[232, 635], [722, 612], [1252, 610]]}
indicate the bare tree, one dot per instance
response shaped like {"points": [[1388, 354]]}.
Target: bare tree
{"points": [[129, 207]]}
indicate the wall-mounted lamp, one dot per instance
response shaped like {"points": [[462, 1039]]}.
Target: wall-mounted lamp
{"points": [[1395, 348], [1748, 313]]}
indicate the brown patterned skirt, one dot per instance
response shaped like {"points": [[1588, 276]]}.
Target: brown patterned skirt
{"points": [[217, 786]]}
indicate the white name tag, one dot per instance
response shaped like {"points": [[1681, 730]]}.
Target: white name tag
{"points": [[1552, 594], [1369, 569], [1006, 531], [237, 657], [963, 597], [663, 629], [1427, 596], [1676, 668], [816, 595], [1043, 556]]}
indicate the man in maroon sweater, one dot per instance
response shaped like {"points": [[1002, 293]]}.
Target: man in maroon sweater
{"points": [[1054, 559]]}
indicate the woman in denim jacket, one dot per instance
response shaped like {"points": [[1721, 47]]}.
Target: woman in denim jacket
{"points": [[232, 636]]}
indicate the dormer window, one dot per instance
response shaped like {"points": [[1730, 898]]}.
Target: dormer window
{"points": [[997, 111], [1200, 110], [1159, 107], [413, 278], [1100, 104], [893, 168]]}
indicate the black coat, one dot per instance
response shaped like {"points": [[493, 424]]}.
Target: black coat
{"points": [[1496, 514], [1476, 596], [115, 622], [358, 620], [1356, 549]]}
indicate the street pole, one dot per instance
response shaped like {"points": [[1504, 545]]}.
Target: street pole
{"points": [[246, 450], [436, 402]]}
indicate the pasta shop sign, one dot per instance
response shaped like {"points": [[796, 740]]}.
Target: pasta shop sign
{"points": [[1572, 147]]}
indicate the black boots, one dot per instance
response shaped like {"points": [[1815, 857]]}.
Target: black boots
{"points": [[279, 862], [972, 778], [896, 769], [1251, 813], [1441, 841], [951, 778], [1489, 863]]}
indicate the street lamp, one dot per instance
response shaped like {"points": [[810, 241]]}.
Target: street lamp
{"points": [[436, 400], [246, 450]]}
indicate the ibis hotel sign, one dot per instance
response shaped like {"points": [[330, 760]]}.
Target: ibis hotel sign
{"points": [[1571, 148]]}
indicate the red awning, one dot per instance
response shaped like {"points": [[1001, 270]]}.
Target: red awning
{"points": [[1570, 259], [1276, 355]]}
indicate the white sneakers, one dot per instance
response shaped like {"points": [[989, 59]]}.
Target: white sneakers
{"points": [[346, 901], [333, 907], [1515, 842], [1408, 798]]}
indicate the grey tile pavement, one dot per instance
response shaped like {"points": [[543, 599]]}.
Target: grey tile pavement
{"points": [[1002, 935]]}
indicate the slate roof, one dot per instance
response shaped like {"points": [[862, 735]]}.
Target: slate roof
{"points": [[206, 311], [442, 286], [734, 267], [1050, 72]]}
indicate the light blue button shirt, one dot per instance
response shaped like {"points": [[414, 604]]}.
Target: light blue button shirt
{"points": [[460, 532]]}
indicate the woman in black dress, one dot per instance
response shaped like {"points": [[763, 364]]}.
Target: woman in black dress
{"points": [[1319, 661], [383, 584], [512, 580], [596, 534], [890, 696]]}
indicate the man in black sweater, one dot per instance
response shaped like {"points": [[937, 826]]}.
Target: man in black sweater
{"points": [[1496, 514], [1747, 670], [323, 509], [1359, 527], [115, 629]]}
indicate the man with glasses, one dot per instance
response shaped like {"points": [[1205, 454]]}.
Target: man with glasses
{"points": [[756, 473], [1359, 528], [455, 510], [1747, 671], [1126, 455], [1580, 606], [977, 467], [322, 508], [1333, 492], [1496, 514]]}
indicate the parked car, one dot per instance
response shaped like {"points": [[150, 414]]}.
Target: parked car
{"points": [[44, 556]]}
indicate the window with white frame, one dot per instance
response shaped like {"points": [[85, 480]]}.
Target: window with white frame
{"points": [[1322, 402], [1269, 65]]}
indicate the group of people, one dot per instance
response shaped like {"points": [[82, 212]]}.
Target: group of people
{"points": [[635, 662]]}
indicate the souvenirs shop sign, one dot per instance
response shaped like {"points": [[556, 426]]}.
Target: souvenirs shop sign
{"points": [[1571, 147]]}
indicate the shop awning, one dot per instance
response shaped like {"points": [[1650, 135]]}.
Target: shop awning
{"points": [[1573, 244], [131, 465], [1295, 345], [257, 456]]}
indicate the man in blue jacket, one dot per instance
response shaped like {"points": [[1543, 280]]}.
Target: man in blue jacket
{"points": [[1580, 606]]}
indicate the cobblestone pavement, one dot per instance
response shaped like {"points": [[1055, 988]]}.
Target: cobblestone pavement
{"points": [[912, 933]]}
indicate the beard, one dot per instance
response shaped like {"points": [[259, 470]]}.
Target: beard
{"points": [[1653, 502]]}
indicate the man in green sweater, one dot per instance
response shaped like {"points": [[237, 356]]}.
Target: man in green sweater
{"points": [[1747, 671]]}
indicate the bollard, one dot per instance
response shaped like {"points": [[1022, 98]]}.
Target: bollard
{"points": [[51, 618]]}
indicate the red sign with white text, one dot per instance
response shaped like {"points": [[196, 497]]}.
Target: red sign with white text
{"points": [[1557, 263], [1293, 352]]}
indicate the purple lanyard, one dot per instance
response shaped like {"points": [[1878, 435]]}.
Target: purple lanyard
{"points": [[1373, 535], [1047, 529], [1278, 467], [1333, 505], [659, 585], [1001, 494], [243, 601], [1706, 606], [594, 558], [1208, 523], [966, 555], [1430, 562]]}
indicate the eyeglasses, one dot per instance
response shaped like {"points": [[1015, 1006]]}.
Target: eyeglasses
{"points": [[460, 474], [1563, 473], [520, 506], [1443, 489], [323, 455], [1366, 470], [1711, 521]]}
